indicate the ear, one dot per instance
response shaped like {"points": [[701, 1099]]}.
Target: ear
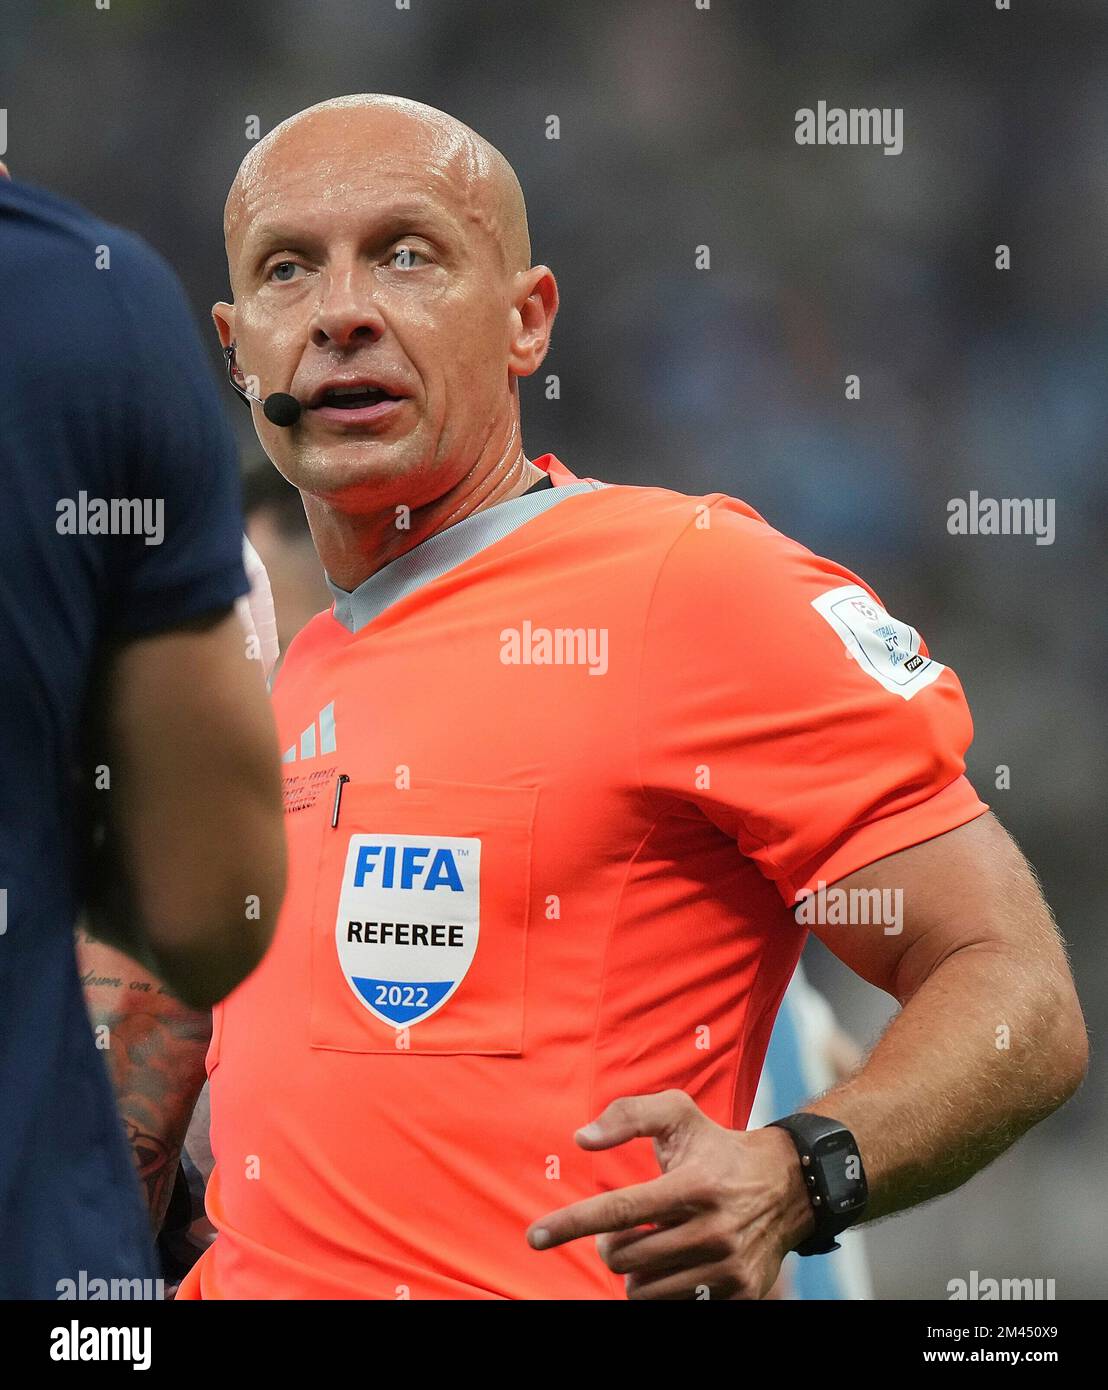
{"points": [[535, 307], [223, 316]]}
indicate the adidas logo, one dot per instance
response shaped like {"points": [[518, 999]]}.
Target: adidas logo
{"points": [[317, 740]]}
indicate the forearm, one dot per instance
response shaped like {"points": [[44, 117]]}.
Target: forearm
{"points": [[110, 916], [155, 1049], [983, 1050]]}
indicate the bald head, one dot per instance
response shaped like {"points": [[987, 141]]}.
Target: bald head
{"points": [[382, 275], [345, 138]]}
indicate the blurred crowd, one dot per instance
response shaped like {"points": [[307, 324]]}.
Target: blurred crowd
{"points": [[676, 132]]}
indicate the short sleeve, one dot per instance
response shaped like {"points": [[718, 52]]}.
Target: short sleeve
{"points": [[180, 458], [781, 700]]}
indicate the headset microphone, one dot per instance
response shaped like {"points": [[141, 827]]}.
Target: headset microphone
{"points": [[282, 409], [279, 408]]}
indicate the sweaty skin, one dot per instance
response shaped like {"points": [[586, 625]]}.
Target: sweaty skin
{"points": [[372, 236]]}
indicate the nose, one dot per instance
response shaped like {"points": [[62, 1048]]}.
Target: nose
{"points": [[347, 313]]}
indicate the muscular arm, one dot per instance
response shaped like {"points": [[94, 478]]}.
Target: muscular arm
{"points": [[990, 1038], [155, 1050]]}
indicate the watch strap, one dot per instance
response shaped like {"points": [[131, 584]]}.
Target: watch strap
{"points": [[806, 1130]]}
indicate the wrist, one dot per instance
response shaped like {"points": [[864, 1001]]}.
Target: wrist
{"points": [[796, 1220], [833, 1175]]}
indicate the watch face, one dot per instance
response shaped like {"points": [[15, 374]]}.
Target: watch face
{"points": [[841, 1170]]}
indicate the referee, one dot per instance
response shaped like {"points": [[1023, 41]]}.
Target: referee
{"points": [[571, 770], [127, 704]]}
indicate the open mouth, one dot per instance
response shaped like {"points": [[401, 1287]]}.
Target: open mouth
{"points": [[352, 398]]}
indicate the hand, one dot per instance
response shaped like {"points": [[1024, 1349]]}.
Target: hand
{"points": [[716, 1224]]}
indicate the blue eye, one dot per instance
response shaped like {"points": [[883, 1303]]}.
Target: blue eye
{"points": [[406, 254], [290, 266]]}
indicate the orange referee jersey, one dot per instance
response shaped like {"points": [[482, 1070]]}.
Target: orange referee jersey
{"points": [[554, 780]]}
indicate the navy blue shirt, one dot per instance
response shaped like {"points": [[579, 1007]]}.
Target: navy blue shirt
{"points": [[105, 396]]}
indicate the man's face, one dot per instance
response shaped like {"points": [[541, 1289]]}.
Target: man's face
{"points": [[364, 256]]}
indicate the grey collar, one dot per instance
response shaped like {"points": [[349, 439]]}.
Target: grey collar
{"points": [[443, 551]]}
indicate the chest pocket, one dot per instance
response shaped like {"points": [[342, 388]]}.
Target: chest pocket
{"points": [[419, 929]]}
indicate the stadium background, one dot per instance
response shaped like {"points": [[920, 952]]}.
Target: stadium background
{"points": [[677, 131]]}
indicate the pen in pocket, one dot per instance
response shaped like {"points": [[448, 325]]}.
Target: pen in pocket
{"points": [[342, 781]]}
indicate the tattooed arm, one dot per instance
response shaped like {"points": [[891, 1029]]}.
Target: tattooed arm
{"points": [[155, 1047]]}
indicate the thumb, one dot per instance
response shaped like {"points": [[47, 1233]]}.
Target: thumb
{"points": [[662, 1116]]}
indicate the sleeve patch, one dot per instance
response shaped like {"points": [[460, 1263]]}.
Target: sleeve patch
{"points": [[884, 648]]}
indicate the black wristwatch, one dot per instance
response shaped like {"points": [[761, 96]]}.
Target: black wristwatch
{"points": [[833, 1174]]}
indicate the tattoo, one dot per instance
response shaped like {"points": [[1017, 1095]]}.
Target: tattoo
{"points": [[156, 1050], [155, 1166], [89, 980]]}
